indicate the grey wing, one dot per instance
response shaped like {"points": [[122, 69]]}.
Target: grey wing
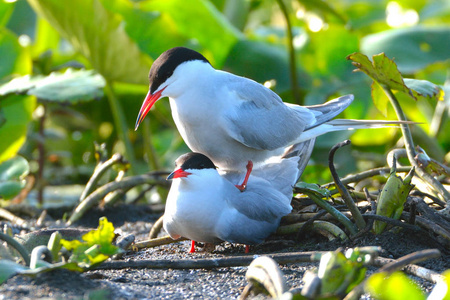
{"points": [[261, 202], [261, 120]]}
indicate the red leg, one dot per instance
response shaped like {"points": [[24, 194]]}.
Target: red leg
{"points": [[192, 250], [247, 249], [242, 186]]}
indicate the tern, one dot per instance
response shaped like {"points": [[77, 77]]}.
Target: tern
{"points": [[233, 119], [204, 204]]}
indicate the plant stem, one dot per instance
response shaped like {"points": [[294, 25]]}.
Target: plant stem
{"points": [[292, 61], [16, 245], [153, 161], [411, 153], [121, 126], [41, 159], [342, 190], [333, 211]]}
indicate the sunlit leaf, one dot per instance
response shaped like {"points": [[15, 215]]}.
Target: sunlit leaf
{"points": [[17, 111], [413, 48], [384, 71], [96, 245], [71, 86], [394, 287], [323, 8], [97, 34], [14, 59], [6, 9]]}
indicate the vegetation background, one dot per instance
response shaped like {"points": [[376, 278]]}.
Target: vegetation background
{"points": [[297, 47]]}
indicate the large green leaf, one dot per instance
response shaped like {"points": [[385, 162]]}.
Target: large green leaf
{"points": [[384, 72], [413, 48], [16, 110], [71, 86], [6, 9], [98, 34], [199, 21], [149, 29], [245, 60], [14, 59]]}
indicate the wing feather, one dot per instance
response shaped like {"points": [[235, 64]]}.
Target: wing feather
{"points": [[260, 119]]}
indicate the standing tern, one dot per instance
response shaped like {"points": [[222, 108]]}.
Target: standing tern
{"points": [[233, 119], [205, 206]]}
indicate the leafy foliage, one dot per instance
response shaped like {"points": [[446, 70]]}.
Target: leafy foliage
{"points": [[71, 86], [396, 286], [96, 246], [12, 173]]}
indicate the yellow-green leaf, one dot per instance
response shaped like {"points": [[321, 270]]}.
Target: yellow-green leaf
{"points": [[395, 287]]}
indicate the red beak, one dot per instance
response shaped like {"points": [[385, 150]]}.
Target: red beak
{"points": [[147, 105], [178, 173]]}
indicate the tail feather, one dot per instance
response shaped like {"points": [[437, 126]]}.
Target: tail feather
{"points": [[347, 124], [329, 110]]}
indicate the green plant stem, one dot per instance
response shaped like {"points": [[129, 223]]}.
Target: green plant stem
{"points": [[359, 220], [292, 61], [98, 173], [41, 159], [121, 125], [16, 245], [153, 161], [334, 212], [411, 153], [102, 191]]}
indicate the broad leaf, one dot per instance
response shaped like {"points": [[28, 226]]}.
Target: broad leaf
{"points": [[96, 246], [425, 88], [245, 60], [12, 173], [413, 48], [190, 19], [97, 34], [199, 21], [17, 111], [6, 9], [385, 73], [396, 286], [71, 86], [8, 269], [14, 59]]}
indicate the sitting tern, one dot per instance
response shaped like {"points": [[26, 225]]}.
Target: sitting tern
{"points": [[204, 204], [233, 119]]}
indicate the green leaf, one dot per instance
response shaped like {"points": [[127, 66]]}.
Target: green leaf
{"points": [[392, 198], [17, 111], [12, 173], [394, 287], [413, 48], [98, 35], [14, 169], [69, 87], [245, 60], [8, 269], [96, 246], [6, 9], [201, 22], [323, 8], [14, 59], [384, 71], [425, 88], [312, 187]]}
